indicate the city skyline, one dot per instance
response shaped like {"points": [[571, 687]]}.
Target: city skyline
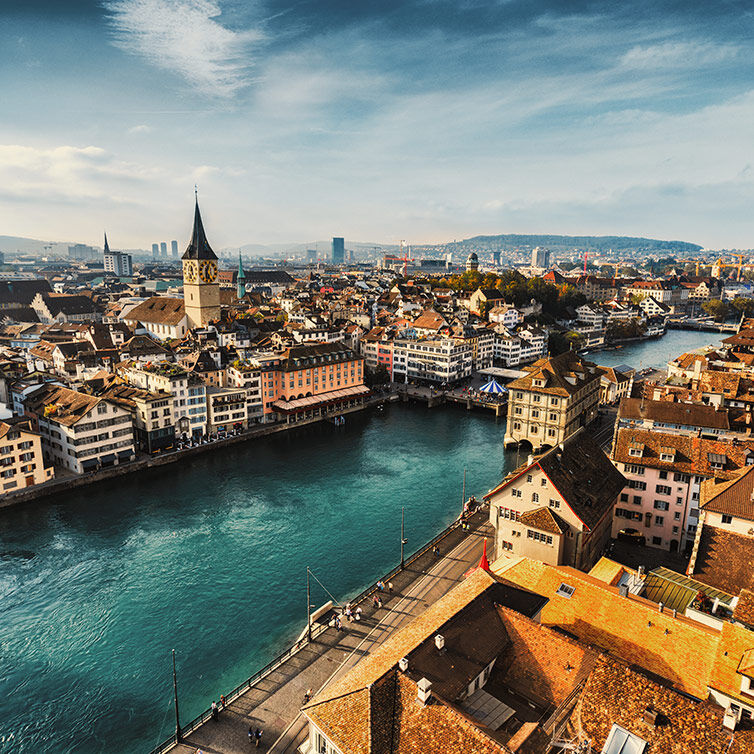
{"points": [[423, 121]]}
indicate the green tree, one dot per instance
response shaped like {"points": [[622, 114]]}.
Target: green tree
{"points": [[743, 305], [716, 308]]}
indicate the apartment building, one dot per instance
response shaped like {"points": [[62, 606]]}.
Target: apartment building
{"points": [[152, 415], [439, 361], [80, 432], [188, 392], [21, 459], [248, 375], [666, 451], [226, 409], [558, 507], [556, 397]]}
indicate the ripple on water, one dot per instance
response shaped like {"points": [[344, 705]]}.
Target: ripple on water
{"points": [[211, 561]]}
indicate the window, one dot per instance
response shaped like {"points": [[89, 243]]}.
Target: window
{"points": [[543, 482], [679, 501], [554, 503], [535, 497], [662, 489], [529, 478], [564, 590], [633, 469], [727, 518], [535, 414], [684, 478], [102, 408], [659, 520], [554, 417], [675, 530], [516, 493], [663, 475], [635, 485], [657, 540], [637, 499], [661, 505], [636, 452], [624, 497], [677, 516]]}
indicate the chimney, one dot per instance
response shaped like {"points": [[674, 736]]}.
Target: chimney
{"points": [[424, 691], [730, 719], [440, 642], [403, 664], [661, 606], [640, 571], [650, 716], [623, 590]]}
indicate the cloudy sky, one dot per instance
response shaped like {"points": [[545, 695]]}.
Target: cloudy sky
{"points": [[424, 120]]}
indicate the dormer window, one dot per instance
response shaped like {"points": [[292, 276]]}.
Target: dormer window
{"points": [[667, 455], [636, 449], [717, 460], [538, 383]]}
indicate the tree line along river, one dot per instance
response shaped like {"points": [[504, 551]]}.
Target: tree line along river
{"points": [[97, 586]]}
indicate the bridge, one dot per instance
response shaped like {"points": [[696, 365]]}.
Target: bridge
{"points": [[702, 325], [433, 396], [271, 699]]}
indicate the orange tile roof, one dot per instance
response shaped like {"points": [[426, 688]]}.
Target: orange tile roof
{"points": [[732, 496], [630, 627]]}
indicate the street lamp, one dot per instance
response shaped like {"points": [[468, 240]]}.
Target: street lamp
{"points": [[403, 538]]}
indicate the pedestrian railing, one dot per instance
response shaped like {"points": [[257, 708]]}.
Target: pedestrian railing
{"points": [[317, 629]]}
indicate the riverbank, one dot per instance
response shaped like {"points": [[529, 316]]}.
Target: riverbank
{"points": [[144, 464], [98, 584]]}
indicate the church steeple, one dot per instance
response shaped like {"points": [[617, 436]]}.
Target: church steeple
{"points": [[199, 247], [240, 279], [107, 248]]}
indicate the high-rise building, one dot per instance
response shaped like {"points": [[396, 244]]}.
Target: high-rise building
{"points": [[163, 250], [155, 250], [540, 257], [82, 252], [338, 250], [311, 255], [117, 262], [174, 249], [496, 258]]}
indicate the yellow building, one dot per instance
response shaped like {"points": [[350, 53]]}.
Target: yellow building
{"points": [[21, 460]]}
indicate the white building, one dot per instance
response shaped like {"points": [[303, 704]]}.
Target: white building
{"points": [[81, 432], [188, 391], [441, 360]]}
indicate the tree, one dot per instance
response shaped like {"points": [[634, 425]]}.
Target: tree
{"points": [[378, 376], [743, 305], [716, 308]]}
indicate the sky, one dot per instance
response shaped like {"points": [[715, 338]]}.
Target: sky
{"points": [[423, 120]]}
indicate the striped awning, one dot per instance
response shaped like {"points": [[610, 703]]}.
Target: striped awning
{"points": [[334, 396]]}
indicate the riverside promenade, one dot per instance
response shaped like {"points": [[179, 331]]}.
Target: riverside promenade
{"points": [[272, 702]]}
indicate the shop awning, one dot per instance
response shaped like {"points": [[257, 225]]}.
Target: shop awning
{"points": [[89, 463], [109, 458], [124, 455], [334, 396]]}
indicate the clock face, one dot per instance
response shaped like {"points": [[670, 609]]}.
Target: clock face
{"points": [[207, 271], [189, 272]]}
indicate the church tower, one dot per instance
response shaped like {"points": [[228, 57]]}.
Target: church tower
{"points": [[241, 279], [201, 290]]}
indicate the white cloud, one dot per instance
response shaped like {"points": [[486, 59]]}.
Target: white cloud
{"points": [[140, 129], [678, 55], [67, 174], [185, 37]]}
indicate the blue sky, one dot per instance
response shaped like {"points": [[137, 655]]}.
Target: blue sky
{"points": [[423, 120]]}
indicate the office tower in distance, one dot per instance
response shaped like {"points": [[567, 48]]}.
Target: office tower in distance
{"points": [[174, 249], [496, 258], [155, 250], [82, 252], [117, 262], [311, 255], [338, 250], [163, 250], [540, 257]]}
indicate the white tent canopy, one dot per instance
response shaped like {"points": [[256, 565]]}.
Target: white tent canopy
{"points": [[493, 387]]}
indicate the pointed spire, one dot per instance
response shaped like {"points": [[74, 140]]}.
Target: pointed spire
{"points": [[199, 247], [241, 275], [107, 248]]}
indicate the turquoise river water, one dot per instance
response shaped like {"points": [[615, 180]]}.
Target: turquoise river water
{"points": [[97, 586]]}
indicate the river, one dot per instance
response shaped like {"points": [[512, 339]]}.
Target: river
{"points": [[97, 586], [656, 352]]}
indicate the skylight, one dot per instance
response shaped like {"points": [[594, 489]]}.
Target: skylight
{"points": [[621, 741], [565, 591]]}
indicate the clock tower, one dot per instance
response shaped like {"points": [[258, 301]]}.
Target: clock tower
{"points": [[201, 290]]}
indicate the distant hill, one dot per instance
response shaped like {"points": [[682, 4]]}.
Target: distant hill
{"points": [[512, 241], [17, 244]]}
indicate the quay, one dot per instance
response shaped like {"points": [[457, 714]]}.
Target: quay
{"points": [[436, 397], [144, 463], [271, 699], [703, 325]]}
